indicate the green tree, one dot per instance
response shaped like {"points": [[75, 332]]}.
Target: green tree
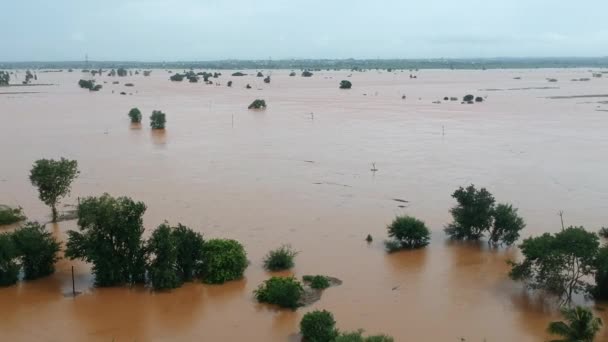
{"points": [[135, 115], [409, 231], [306, 73], [473, 214], [5, 78], [280, 259], [37, 250], [345, 84], [53, 179], [257, 104], [581, 325], [600, 290], [9, 269], [223, 260], [318, 326], [507, 225], [190, 245], [162, 253], [110, 238], [558, 263], [121, 72], [282, 291], [157, 120]]}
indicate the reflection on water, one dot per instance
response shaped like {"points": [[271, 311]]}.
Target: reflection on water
{"points": [[281, 177]]}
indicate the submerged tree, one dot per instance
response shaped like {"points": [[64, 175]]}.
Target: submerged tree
{"points": [[224, 260], [507, 225], [306, 73], [580, 325], [345, 84], [121, 72], [37, 250], [5, 78], [558, 263], [53, 179], [190, 245], [600, 290], [9, 269], [257, 104], [409, 232], [267, 79], [110, 238], [162, 254], [135, 115], [157, 120]]}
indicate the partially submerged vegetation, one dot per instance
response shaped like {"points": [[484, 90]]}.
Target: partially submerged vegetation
{"points": [[157, 120], [89, 84], [257, 104], [10, 215], [135, 115], [320, 326], [280, 259], [285, 292], [407, 232], [344, 84]]}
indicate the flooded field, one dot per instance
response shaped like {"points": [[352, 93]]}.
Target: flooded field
{"points": [[299, 173]]}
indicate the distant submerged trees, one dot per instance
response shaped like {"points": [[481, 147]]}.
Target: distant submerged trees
{"points": [[89, 84]]}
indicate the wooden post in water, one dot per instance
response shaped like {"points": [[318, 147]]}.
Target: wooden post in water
{"points": [[73, 284]]}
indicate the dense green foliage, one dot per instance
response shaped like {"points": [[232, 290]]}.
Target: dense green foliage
{"points": [[600, 290], [9, 269], [580, 325], [318, 326], [409, 231], [280, 259], [282, 291], [162, 254], [223, 260], [357, 336], [53, 179], [344, 84], [257, 104], [190, 245], [476, 215], [135, 115], [10, 215], [5, 78], [110, 238], [468, 98], [37, 250], [558, 263], [306, 73], [507, 225], [318, 282], [157, 120]]}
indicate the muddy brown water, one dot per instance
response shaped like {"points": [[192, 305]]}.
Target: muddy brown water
{"points": [[285, 175]]}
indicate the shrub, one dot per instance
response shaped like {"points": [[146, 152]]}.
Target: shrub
{"points": [[293, 73], [162, 250], [86, 84], [357, 336], [318, 326], [37, 250], [280, 258], [157, 120], [248, 86], [176, 77], [267, 79], [318, 282], [238, 73], [468, 98], [479, 99], [409, 232], [345, 84], [193, 79], [306, 73], [10, 215], [260, 74], [257, 104], [190, 246], [224, 260], [110, 238], [9, 269], [229, 83], [53, 179], [282, 291], [135, 115]]}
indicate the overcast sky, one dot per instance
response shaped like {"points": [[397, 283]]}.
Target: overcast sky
{"points": [[169, 30]]}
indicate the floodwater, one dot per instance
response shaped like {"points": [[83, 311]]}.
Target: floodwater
{"points": [[299, 173]]}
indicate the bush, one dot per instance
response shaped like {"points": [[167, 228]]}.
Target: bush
{"points": [[224, 260], [238, 73], [318, 282], [86, 84], [479, 99], [257, 104], [37, 250], [468, 98], [110, 238], [190, 246], [135, 115], [260, 74], [280, 258], [267, 79], [177, 77], [121, 72], [10, 215], [229, 83], [409, 232], [345, 84], [162, 250], [306, 73], [9, 269], [318, 326], [282, 291], [357, 336], [293, 73], [157, 120]]}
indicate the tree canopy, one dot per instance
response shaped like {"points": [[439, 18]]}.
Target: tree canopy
{"points": [[162, 252], [37, 250], [110, 238], [157, 120], [135, 115], [224, 260], [344, 84], [53, 179], [409, 232], [580, 325]]}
